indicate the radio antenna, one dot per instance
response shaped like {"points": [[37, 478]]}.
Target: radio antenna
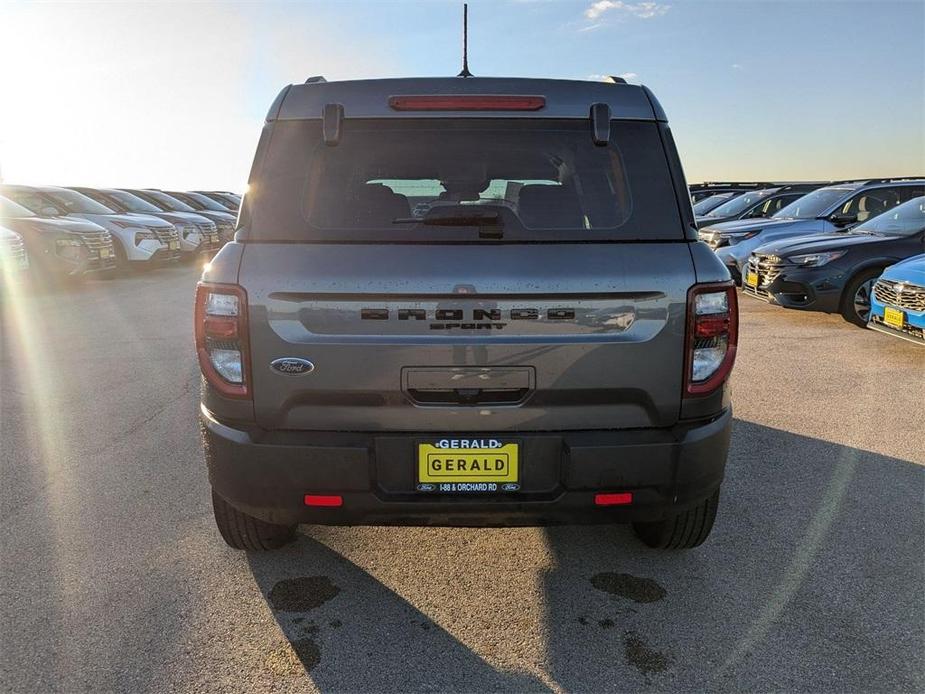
{"points": [[465, 71]]}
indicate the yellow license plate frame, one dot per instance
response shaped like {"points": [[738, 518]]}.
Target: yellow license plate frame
{"points": [[442, 465], [893, 317], [751, 279], [173, 245], [104, 253]]}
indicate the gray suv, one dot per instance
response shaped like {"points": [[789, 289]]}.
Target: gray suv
{"points": [[465, 301]]}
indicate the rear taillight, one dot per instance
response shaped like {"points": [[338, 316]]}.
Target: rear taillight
{"points": [[221, 338], [467, 102], [712, 336]]}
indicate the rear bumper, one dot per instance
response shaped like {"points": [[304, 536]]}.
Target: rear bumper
{"points": [[267, 475]]}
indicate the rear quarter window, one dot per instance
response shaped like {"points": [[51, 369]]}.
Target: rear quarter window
{"points": [[399, 180]]}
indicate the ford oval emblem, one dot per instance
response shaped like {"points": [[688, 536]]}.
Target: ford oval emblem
{"points": [[292, 366]]}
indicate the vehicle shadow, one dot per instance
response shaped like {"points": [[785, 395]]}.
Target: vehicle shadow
{"points": [[350, 632], [810, 581]]}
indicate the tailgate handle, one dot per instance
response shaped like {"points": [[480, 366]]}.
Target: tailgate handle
{"points": [[468, 385]]}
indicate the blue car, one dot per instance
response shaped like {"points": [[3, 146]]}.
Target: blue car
{"points": [[823, 211], [897, 306]]}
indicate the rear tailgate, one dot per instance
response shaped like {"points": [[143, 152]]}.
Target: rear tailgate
{"points": [[414, 337]]}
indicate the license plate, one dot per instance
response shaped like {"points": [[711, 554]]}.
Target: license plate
{"points": [[173, 245], [104, 253], [480, 465], [751, 279], [894, 317]]}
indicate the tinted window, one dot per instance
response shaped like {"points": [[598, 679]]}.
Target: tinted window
{"points": [[902, 220], [910, 192], [182, 197], [739, 204], [71, 201], [164, 201], [101, 199], [132, 203], [33, 201], [200, 202], [772, 206], [870, 203], [230, 200], [405, 179], [710, 203], [8, 208], [812, 204]]}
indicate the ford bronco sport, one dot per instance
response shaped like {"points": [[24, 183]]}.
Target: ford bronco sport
{"points": [[465, 301]]}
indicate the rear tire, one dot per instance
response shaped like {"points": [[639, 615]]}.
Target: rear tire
{"points": [[682, 531], [855, 304], [242, 531]]}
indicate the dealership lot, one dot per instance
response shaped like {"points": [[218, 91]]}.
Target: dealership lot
{"points": [[113, 576]]}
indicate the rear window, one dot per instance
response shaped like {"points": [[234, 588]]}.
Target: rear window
{"points": [[427, 180]]}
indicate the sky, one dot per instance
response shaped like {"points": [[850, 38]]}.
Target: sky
{"points": [[173, 95]]}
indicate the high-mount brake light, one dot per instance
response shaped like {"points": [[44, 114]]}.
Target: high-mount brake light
{"points": [[221, 338], [465, 102], [712, 337]]}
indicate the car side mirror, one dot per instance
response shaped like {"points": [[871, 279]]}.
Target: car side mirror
{"points": [[49, 211], [843, 220]]}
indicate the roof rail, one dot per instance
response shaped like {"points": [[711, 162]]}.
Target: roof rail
{"points": [[315, 79], [895, 178], [706, 185], [804, 184], [728, 184]]}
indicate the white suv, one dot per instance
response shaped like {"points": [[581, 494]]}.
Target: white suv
{"points": [[197, 234], [136, 240]]}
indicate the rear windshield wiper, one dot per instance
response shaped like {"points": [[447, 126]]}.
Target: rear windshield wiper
{"points": [[489, 223]]}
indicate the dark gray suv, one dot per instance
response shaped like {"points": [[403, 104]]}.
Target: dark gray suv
{"points": [[465, 301]]}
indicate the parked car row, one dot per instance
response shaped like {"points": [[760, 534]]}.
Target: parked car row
{"points": [[57, 231], [853, 247]]}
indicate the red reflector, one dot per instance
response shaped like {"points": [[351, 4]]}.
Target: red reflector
{"points": [[321, 500], [619, 499], [711, 325], [456, 102], [221, 328]]}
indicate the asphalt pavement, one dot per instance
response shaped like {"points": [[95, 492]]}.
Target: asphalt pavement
{"points": [[114, 578]]}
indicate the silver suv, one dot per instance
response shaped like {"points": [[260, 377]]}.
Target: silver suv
{"points": [[197, 234], [222, 221], [465, 301], [137, 241]]}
